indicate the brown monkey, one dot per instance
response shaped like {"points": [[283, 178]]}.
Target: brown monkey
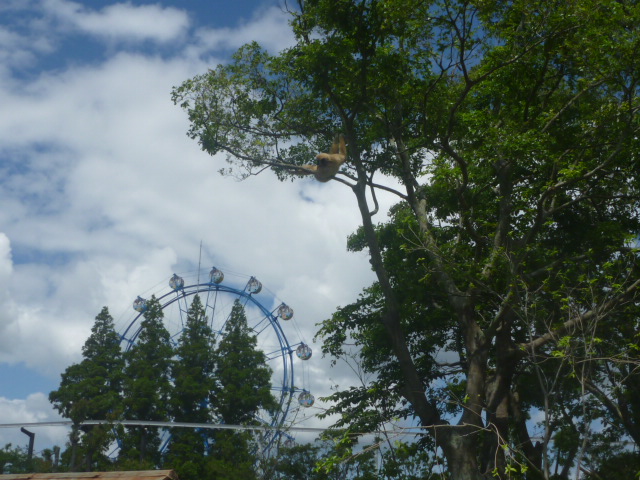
{"points": [[329, 163]]}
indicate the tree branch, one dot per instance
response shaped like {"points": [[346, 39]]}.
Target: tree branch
{"points": [[532, 346]]}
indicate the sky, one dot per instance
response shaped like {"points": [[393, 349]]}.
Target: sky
{"points": [[103, 196]]}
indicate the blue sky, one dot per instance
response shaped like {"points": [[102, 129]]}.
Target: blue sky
{"points": [[103, 196]]}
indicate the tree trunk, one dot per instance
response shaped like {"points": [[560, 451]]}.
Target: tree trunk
{"points": [[74, 448], [461, 454], [459, 443], [413, 388], [143, 444]]}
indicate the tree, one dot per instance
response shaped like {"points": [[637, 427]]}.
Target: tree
{"points": [[90, 390], [333, 457], [243, 389], [625, 465], [243, 378], [295, 461], [193, 381], [232, 456], [13, 459], [512, 129], [147, 388]]}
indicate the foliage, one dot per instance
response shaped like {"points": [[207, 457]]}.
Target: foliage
{"points": [[198, 381], [334, 456], [507, 274], [231, 457], [295, 461], [90, 390], [242, 390], [623, 465], [147, 387], [192, 371], [243, 379], [13, 459]]}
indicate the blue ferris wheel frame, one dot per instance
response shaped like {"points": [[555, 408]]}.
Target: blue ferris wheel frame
{"points": [[181, 294]]}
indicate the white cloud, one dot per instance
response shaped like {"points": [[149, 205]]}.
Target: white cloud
{"points": [[38, 327], [122, 21], [20, 48], [270, 28], [6, 264], [34, 408], [121, 193], [9, 325]]}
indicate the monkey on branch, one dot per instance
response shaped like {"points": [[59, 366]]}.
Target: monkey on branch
{"points": [[328, 163]]}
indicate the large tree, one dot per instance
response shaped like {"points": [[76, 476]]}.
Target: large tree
{"points": [[243, 378], [512, 130], [146, 388], [91, 390], [192, 371], [242, 393]]}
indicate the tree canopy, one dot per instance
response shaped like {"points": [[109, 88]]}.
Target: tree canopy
{"points": [[192, 371], [507, 274], [242, 374], [91, 390], [147, 387], [196, 376]]}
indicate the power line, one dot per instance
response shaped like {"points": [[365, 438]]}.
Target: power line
{"points": [[414, 430], [212, 426]]}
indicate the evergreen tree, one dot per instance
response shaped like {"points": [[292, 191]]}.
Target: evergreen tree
{"points": [[231, 457], [147, 387], [192, 372], [243, 377], [90, 390], [243, 387]]}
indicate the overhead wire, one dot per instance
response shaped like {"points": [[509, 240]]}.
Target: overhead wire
{"points": [[414, 430]]}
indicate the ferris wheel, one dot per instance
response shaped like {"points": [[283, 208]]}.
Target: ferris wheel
{"points": [[218, 298]]}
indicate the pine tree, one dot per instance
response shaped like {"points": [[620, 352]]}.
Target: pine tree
{"points": [[90, 390], [231, 457], [147, 387], [192, 372], [243, 377], [243, 388]]}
